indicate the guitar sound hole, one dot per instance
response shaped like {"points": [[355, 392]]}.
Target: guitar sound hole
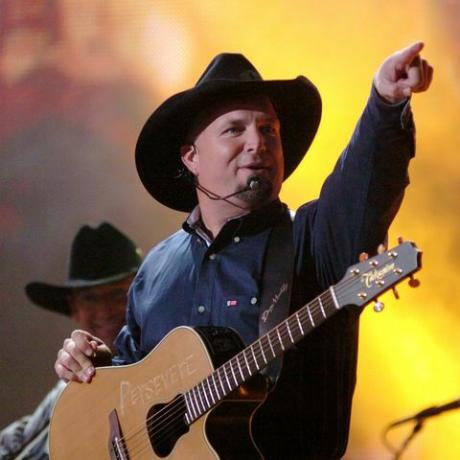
{"points": [[165, 425]]}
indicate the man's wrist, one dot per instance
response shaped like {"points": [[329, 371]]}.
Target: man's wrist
{"points": [[390, 102]]}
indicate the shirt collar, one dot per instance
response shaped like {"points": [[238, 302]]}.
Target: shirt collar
{"points": [[259, 218], [194, 224]]}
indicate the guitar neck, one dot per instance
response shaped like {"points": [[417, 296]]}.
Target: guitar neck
{"points": [[258, 355]]}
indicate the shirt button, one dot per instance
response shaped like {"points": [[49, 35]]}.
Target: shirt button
{"points": [[212, 257], [253, 300], [201, 309], [236, 239]]}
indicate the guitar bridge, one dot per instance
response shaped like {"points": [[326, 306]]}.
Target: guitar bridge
{"points": [[116, 444]]}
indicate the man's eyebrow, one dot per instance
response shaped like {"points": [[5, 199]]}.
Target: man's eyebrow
{"points": [[271, 119]]}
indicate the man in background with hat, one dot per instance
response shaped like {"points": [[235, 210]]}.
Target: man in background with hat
{"points": [[103, 262], [221, 151]]}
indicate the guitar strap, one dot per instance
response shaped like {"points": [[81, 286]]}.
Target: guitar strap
{"points": [[277, 281]]}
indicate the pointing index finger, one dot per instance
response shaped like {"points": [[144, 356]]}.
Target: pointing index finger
{"points": [[408, 54]]}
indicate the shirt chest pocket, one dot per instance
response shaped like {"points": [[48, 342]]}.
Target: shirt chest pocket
{"points": [[240, 312]]}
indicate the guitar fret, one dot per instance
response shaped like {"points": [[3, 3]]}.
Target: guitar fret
{"points": [[226, 378], [233, 372], [247, 363], [221, 382], [293, 324], [189, 400], [300, 324], [280, 340], [328, 300], [187, 412], [194, 409], [271, 346], [211, 394], [199, 411], [192, 405], [289, 331], [203, 407], [205, 395], [262, 351], [239, 367], [311, 317], [215, 385], [255, 359], [321, 306], [334, 298]]}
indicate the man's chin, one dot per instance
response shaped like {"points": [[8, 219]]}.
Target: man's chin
{"points": [[260, 194]]}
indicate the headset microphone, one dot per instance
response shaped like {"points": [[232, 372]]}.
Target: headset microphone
{"points": [[253, 183]]}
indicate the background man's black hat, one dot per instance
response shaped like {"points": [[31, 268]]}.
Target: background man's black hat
{"points": [[296, 102], [101, 255]]}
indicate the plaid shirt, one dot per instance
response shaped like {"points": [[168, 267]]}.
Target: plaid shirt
{"points": [[27, 438]]}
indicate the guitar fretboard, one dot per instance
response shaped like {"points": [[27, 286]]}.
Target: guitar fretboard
{"points": [[258, 355]]}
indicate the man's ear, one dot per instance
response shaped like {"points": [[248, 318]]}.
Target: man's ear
{"points": [[189, 157]]}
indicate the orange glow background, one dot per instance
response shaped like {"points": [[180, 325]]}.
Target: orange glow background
{"points": [[409, 354]]}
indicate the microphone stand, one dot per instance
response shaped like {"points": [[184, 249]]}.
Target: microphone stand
{"points": [[398, 452], [419, 420]]}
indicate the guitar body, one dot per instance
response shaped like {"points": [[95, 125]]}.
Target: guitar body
{"points": [[120, 399]]}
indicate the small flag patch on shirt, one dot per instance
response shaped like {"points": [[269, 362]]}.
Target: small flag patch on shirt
{"points": [[232, 303]]}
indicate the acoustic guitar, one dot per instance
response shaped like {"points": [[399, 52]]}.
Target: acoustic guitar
{"points": [[194, 395]]}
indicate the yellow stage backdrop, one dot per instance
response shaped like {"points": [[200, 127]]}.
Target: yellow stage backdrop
{"points": [[409, 354]]}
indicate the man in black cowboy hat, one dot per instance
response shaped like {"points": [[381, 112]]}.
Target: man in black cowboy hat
{"points": [[103, 262], [221, 151]]}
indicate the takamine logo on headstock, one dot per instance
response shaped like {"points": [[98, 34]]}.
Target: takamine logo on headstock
{"points": [[372, 277], [377, 275]]}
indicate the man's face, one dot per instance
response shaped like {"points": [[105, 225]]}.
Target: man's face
{"points": [[239, 139], [101, 310]]}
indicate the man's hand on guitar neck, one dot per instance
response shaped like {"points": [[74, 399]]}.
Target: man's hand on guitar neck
{"points": [[79, 355]]}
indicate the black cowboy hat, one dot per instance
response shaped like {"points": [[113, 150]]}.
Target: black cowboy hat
{"points": [[297, 104], [101, 255]]}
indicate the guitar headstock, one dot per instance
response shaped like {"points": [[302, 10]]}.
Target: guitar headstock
{"points": [[365, 281]]}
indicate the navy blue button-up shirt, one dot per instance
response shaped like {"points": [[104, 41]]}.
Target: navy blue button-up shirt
{"points": [[198, 282], [187, 280]]}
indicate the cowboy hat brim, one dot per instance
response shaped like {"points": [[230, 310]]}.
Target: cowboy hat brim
{"points": [[56, 298], [297, 103]]}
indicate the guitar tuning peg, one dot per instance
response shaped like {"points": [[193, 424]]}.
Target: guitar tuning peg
{"points": [[363, 256], [378, 306], [395, 292], [381, 249], [400, 240], [413, 282]]}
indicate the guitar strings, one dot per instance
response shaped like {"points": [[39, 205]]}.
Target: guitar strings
{"points": [[166, 431], [165, 421]]}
